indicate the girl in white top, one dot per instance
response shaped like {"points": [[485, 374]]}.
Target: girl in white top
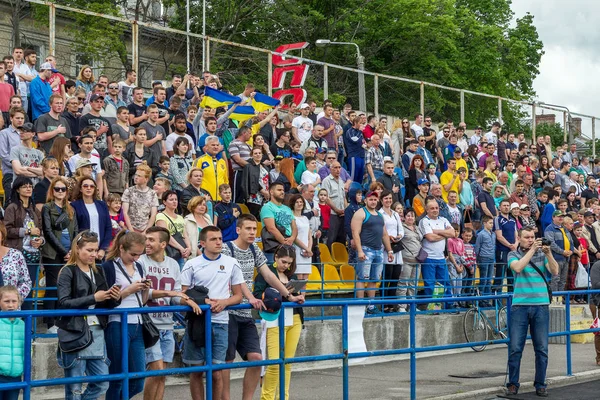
{"points": [[311, 176], [122, 263], [393, 226], [303, 242]]}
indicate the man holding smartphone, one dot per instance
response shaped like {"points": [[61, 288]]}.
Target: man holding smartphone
{"points": [[530, 307]]}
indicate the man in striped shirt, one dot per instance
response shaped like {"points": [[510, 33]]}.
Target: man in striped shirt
{"points": [[530, 308]]}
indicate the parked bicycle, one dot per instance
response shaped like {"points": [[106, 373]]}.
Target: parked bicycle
{"points": [[477, 325]]}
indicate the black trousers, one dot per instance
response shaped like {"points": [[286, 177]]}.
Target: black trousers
{"points": [[391, 276], [336, 232], [51, 269], [7, 185], [237, 187]]}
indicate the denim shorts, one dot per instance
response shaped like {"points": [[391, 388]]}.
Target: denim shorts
{"points": [[194, 355], [164, 349], [372, 267]]}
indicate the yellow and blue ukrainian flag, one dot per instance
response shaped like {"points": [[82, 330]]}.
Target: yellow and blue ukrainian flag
{"points": [[242, 113], [262, 102], [214, 98]]}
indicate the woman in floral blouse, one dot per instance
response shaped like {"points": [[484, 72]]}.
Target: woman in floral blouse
{"points": [[13, 268], [140, 203]]}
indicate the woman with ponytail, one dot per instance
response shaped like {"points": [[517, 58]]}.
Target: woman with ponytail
{"points": [[123, 270], [81, 285]]}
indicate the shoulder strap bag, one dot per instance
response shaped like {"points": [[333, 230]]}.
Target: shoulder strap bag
{"points": [[172, 251], [537, 269], [149, 330]]}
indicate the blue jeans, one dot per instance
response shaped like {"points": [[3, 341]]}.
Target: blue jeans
{"points": [[9, 394], [486, 271], [91, 361], [537, 319], [137, 358], [433, 271], [371, 268]]}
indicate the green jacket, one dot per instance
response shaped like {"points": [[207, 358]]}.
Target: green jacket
{"points": [[12, 347]]}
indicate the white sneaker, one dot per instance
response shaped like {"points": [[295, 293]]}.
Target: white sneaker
{"points": [[53, 330]]}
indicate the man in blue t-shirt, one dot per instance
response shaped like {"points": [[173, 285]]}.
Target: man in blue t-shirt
{"points": [[505, 228]]}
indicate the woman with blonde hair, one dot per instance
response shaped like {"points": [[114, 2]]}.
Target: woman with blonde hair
{"points": [[195, 222], [85, 79], [59, 226], [81, 285], [139, 202]]}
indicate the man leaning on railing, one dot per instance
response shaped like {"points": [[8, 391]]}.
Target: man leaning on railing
{"points": [[530, 307]]}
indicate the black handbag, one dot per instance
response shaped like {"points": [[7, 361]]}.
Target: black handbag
{"points": [[172, 251], [149, 330], [73, 341], [397, 247], [268, 240]]}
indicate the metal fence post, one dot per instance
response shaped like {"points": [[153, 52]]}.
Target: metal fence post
{"points": [[568, 326], [52, 29], [270, 74], [281, 323], [422, 98], [208, 359], [345, 381], [593, 137], [376, 90], [325, 82], [27, 358], [500, 110], [135, 50], [462, 106], [207, 54], [565, 126], [533, 121], [413, 354], [125, 356]]}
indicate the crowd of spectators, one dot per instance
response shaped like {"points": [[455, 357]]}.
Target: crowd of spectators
{"points": [[169, 195]]}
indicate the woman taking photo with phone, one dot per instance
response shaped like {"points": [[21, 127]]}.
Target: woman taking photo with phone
{"points": [[123, 270], [82, 285]]}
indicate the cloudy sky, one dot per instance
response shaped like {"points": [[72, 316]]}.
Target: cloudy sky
{"points": [[569, 70]]}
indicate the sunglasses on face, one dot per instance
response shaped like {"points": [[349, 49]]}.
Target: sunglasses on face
{"points": [[88, 186], [87, 235], [60, 189]]}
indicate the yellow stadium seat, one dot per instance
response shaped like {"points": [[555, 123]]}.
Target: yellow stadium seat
{"points": [[260, 245], [326, 255], [259, 228], [314, 280], [475, 278], [244, 208], [348, 276], [339, 253], [332, 277]]}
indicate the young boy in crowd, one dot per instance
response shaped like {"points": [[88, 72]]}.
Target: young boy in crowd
{"points": [[296, 153], [355, 196], [325, 214], [226, 214], [470, 261], [485, 248], [116, 169], [456, 261], [161, 185], [164, 163], [549, 208], [12, 330]]}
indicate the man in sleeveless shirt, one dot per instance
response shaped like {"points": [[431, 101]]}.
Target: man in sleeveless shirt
{"points": [[369, 238]]}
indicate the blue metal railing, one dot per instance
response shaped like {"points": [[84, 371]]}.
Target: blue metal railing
{"points": [[27, 384]]}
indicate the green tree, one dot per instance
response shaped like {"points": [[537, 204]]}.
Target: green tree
{"points": [[555, 131]]}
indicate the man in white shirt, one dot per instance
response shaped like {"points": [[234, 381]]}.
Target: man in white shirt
{"points": [[492, 135], [221, 275], [302, 126], [416, 127], [165, 290], [435, 230], [126, 87], [476, 137]]}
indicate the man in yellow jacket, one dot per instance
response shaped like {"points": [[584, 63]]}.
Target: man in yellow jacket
{"points": [[215, 170]]}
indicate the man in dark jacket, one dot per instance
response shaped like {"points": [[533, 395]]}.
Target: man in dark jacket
{"points": [[355, 195], [390, 181], [354, 143]]}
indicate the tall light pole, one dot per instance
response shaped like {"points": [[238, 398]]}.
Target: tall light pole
{"points": [[360, 62], [569, 120]]}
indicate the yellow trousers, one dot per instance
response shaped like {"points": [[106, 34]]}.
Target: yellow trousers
{"points": [[271, 378]]}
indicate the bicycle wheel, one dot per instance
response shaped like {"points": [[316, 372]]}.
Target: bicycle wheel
{"points": [[502, 323], [475, 328]]}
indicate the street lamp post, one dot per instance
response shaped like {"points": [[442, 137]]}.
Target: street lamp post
{"points": [[569, 120], [360, 62]]}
